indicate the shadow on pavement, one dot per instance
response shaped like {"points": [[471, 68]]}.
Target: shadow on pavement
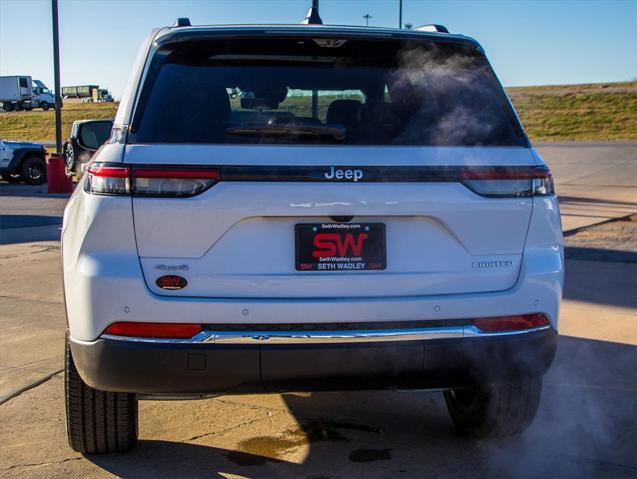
{"points": [[581, 199], [34, 191], [601, 282], [25, 221], [600, 254], [27, 228]]}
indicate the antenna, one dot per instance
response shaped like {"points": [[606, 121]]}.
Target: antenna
{"points": [[312, 17], [367, 16]]}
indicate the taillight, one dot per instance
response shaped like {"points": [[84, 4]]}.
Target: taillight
{"points": [[511, 183], [173, 182], [511, 323], [146, 181], [108, 180], [154, 330]]}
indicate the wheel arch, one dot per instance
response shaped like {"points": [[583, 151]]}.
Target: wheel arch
{"points": [[21, 153]]}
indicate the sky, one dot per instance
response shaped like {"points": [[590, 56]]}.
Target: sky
{"points": [[529, 42]]}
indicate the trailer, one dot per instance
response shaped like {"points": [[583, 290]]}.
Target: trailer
{"points": [[80, 91], [16, 92], [87, 93]]}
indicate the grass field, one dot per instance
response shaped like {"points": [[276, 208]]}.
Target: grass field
{"points": [[605, 111], [566, 112]]}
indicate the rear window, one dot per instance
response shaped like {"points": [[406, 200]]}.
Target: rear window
{"points": [[316, 91]]}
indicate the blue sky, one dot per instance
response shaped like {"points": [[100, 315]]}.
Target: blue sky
{"points": [[530, 42]]}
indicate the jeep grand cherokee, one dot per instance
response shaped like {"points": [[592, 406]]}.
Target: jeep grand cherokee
{"points": [[289, 208]]}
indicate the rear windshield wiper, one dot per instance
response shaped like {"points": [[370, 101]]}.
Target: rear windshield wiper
{"points": [[336, 131]]}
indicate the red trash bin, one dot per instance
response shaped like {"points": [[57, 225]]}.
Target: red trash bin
{"points": [[56, 179]]}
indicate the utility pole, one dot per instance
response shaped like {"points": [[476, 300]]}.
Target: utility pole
{"points": [[367, 16], [315, 103], [400, 13], [56, 77]]}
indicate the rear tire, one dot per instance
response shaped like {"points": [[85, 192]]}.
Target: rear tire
{"points": [[69, 156], [33, 170], [8, 106], [495, 410], [97, 422], [44, 105]]}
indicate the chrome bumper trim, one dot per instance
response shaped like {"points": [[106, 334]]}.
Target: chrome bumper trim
{"points": [[327, 337]]}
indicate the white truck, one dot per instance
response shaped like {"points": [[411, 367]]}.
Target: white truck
{"points": [[42, 96], [20, 92]]}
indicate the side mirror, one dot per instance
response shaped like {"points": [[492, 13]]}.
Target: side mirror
{"points": [[93, 134]]}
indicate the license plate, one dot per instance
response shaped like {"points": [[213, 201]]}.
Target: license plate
{"points": [[340, 246]]}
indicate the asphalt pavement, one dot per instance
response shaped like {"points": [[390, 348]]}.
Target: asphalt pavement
{"points": [[595, 181]]}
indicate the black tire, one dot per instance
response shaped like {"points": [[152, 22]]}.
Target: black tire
{"points": [[11, 177], [495, 410], [97, 422], [70, 156], [33, 170], [44, 105], [28, 106], [19, 106], [7, 106]]}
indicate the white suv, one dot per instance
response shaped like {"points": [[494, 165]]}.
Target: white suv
{"points": [[285, 208]]}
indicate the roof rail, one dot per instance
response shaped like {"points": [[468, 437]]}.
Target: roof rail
{"points": [[432, 28], [182, 22]]}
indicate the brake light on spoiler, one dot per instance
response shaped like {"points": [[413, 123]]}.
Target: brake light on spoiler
{"points": [[186, 181]]}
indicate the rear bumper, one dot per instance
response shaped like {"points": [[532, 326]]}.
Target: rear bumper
{"points": [[174, 368]]}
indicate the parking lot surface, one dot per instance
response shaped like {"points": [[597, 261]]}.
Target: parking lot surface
{"points": [[585, 426]]}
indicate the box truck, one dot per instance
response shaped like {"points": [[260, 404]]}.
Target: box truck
{"points": [[20, 92], [16, 92]]}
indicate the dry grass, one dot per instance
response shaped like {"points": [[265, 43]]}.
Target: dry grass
{"points": [[38, 125], [579, 116]]}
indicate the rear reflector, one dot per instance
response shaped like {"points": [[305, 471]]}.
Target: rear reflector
{"points": [[511, 323], [154, 330]]}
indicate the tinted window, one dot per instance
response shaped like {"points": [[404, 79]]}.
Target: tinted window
{"points": [[94, 134], [364, 92]]}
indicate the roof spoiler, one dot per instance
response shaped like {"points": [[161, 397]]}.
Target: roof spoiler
{"points": [[182, 22], [432, 28]]}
